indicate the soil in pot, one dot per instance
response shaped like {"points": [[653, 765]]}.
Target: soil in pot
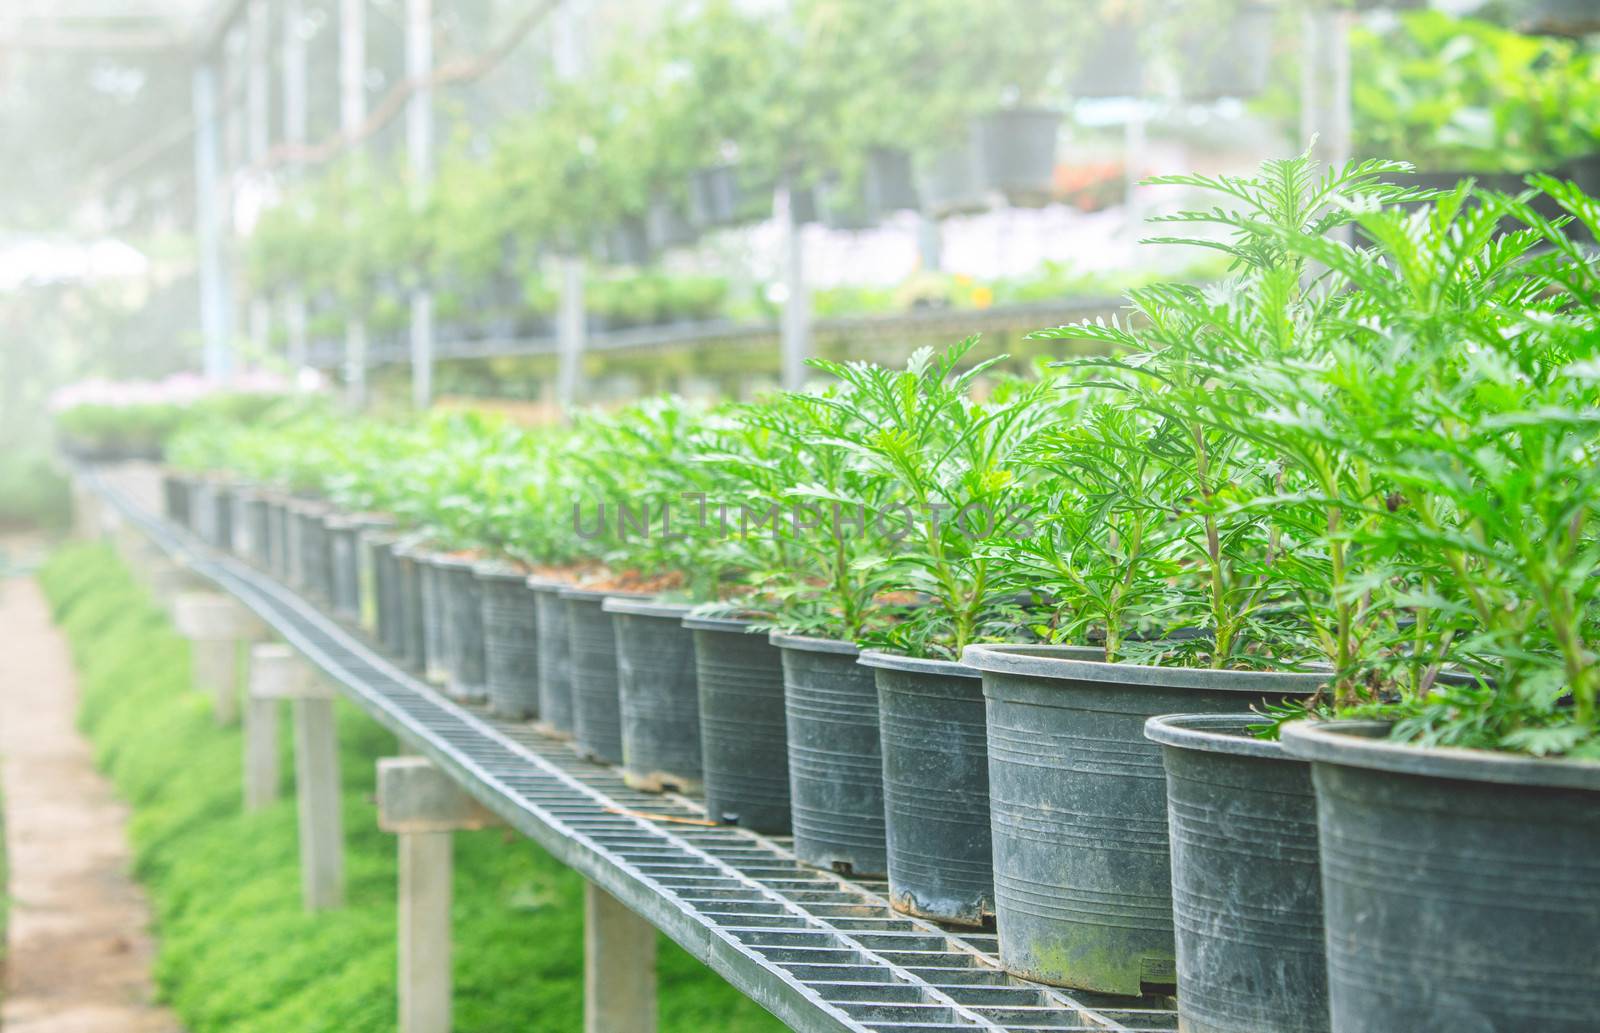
{"points": [[744, 738], [1014, 153], [1246, 878], [510, 641], [658, 695], [935, 788], [554, 651], [1078, 798], [596, 702], [1461, 888], [462, 597], [835, 758]]}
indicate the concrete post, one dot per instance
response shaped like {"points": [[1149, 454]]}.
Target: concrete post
{"points": [[215, 624], [418, 803], [274, 670], [316, 777], [619, 966]]}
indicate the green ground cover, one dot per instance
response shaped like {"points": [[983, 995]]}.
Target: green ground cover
{"points": [[237, 953]]}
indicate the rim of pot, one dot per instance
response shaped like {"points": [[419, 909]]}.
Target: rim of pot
{"points": [[1078, 663], [1362, 744], [1213, 733], [448, 562], [813, 645], [731, 625], [498, 570], [916, 665], [646, 606], [590, 595], [540, 583]]}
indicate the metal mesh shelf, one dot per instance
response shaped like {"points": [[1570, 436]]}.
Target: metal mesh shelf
{"points": [[819, 951]]}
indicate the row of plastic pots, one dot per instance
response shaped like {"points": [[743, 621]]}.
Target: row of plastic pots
{"points": [[1333, 881]]}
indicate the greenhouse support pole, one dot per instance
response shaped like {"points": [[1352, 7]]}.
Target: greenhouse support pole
{"points": [[294, 134], [258, 137], [796, 326], [273, 666], [215, 317], [570, 332], [419, 146], [1325, 85], [352, 112]]}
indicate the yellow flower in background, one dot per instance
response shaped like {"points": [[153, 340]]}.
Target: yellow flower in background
{"points": [[963, 279], [982, 297]]}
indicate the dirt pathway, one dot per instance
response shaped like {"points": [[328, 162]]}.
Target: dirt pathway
{"points": [[79, 955]]}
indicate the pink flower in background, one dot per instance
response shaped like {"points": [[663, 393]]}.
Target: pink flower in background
{"points": [[178, 389]]}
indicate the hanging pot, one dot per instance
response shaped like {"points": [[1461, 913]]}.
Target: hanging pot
{"points": [[887, 184], [665, 224], [744, 739], [714, 196], [1233, 62], [1246, 878], [1083, 893], [935, 788], [554, 652], [1556, 17], [510, 641], [463, 618], [1461, 888], [627, 243], [658, 696], [835, 760], [596, 701], [1112, 65], [947, 182], [1014, 151]]}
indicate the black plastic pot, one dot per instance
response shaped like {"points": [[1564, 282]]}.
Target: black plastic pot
{"points": [[1246, 879], [175, 497], [1113, 65], [835, 759], [596, 698], [202, 510], [744, 737], [1233, 62], [222, 518], [435, 629], [250, 528], [947, 182], [658, 696], [316, 557], [344, 574], [1461, 887], [386, 593], [463, 618], [410, 648], [1083, 895], [627, 242], [510, 641], [887, 184], [935, 787], [555, 653], [714, 196], [278, 534], [379, 530], [1014, 153], [1557, 17], [666, 226]]}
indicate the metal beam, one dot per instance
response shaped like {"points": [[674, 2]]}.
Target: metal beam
{"points": [[352, 112], [419, 151], [216, 317]]}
